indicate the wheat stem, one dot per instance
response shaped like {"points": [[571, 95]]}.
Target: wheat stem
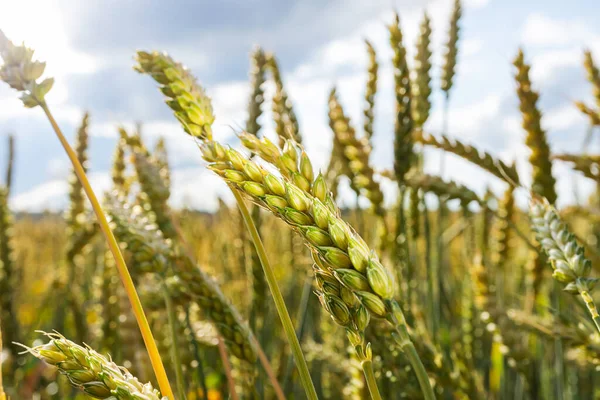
{"points": [[134, 299], [278, 299], [227, 368], [2, 394], [174, 342], [408, 348], [367, 367]]}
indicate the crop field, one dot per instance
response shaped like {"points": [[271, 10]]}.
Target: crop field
{"points": [[288, 290]]}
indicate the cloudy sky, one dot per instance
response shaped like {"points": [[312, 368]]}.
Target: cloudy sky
{"points": [[89, 49]]}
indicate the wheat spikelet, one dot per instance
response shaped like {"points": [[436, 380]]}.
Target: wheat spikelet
{"points": [[403, 126], [421, 86], [119, 180], [543, 181], [257, 93], [448, 69], [486, 161], [91, 372], [503, 232], [356, 153], [8, 275], [286, 123], [434, 184], [185, 97], [371, 90], [593, 75], [76, 195], [588, 165], [414, 213], [161, 159], [593, 115]]}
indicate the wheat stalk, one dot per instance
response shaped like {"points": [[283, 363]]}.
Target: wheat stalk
{"points": [[486, 161]]}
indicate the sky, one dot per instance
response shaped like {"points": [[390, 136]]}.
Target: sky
{"points": [[89, 48]]}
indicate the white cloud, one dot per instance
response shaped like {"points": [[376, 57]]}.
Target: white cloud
{"points": [[540, 30]]}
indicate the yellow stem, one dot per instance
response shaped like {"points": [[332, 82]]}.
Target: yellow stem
{"points": [[134, 300], [2, 394]]}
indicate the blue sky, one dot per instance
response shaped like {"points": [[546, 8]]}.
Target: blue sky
{"points": [[89, 48]]}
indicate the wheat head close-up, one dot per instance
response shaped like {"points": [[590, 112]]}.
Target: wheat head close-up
{"points": [[305, 199]]}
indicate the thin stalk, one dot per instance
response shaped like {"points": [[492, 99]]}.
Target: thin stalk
{"points": [[300, 321], [227, 367], [591, 306], [367, 367], [396, 317], [176, 359], [267, 366], [559, 362], [431, 274], [134, 300], [288, 327], [196, 349], [2, 394]]}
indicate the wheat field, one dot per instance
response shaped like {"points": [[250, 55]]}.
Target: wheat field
{"points": [[285, 293]]}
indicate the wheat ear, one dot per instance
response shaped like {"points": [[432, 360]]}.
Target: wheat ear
{"points": [[356, 154], [92, 372], [567, 256], [421, 85], [307, 207], [486, 161], [371, 91]]}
